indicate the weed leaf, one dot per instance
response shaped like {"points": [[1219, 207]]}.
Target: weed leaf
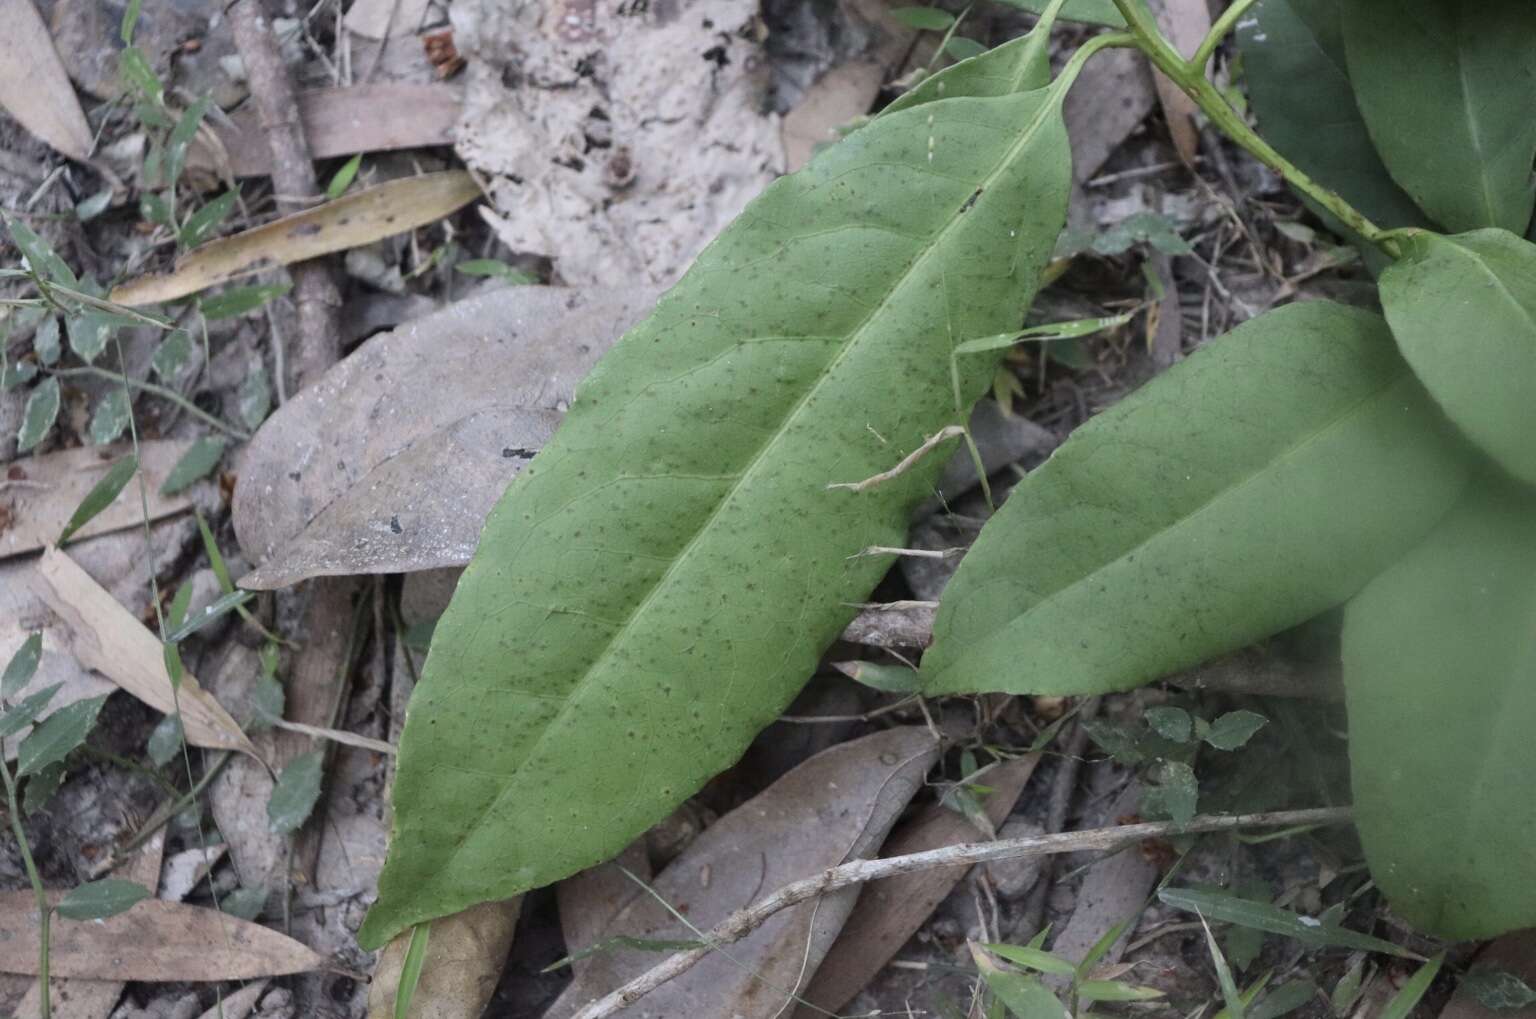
{"points": [[22, 666], [296, 791], [1265, 917], [37, 417], [101, 495], [101, 899], [58, 735], [200, 458]]}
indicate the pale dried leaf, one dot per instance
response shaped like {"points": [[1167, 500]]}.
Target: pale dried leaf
{"points": [[889, 912], [465, 956], [374, 19], [838, 805], [590, 901], [341, 122], [1112, 97], [33, 86], [842, 94], [154, 941], [105, 637], [393, 459], [1185, 23], [348, 222], [55, 483], [82, 998], [237, 1005]]}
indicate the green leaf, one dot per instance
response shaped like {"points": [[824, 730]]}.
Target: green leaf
{"points": [[1033, 958], [410, 969], [57, 735], [202, 223], [1016, 66], [1236, 1007], [17, 373], [101, 899], [1115, 740], [1446, 90], [885, 678], [46, 340], [255, 398], [40, 256], [1437, 667], [652, 612], [1234, 729], [494, 267], [296, 791], [130, 21], [195, 463], [88, 209], [926, 19], [1171, 723], [1142, 228], [1023, 996], [962, 48], [110, 417], [1283, 1000], [268, 701], [41, 787], [22, 666], [1463, 310], [39, 414], [18, 716], [172, 356], [1094, 12], [1265, 917], [1101, 947], [1115, 990], [154, 209], [1298, 82], [101, 495], [133, 65], [244, 903], [221, 606], [1409, 995], [1233, 496], [165, 740], [181, 136], [343, 178], [1498, 989], [1174, 793], [240, 300]]}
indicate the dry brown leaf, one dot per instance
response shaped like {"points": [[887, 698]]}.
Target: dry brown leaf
{"points": [[391, 461], [154, 941], [340, 122], [889, 912], [1514, 953], [465, 956], [350, 221], [374, 19], [55, 483], [237, 1005], [838, 805], [838, 97], [105, 637], [1185, 23], [589, 901], [1112, 97], [94, 999], [33, 86]]}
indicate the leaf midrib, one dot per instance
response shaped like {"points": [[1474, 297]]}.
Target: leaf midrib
{"points": [[855, 338], [1217, 497]]}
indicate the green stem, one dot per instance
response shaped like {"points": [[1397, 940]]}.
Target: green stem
{"points": [[1217, 33], [1191, 80], [160, 391], [44, 911]]}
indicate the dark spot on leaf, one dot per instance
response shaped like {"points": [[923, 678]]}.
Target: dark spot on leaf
{"points": [[517, 453], [305, 230], [394, 524]]}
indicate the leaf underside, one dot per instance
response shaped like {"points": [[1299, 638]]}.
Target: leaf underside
{"points": [[1463, 310], [1260, 482], [663, 577], [1446, 89], [1438, 662]]}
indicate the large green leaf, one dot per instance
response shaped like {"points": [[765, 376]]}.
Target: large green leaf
{"points": [[1263, 480], [654, 588], [1438, 667], [1447, 89], [1463, 310], [1095, 12], [1293, 62]]}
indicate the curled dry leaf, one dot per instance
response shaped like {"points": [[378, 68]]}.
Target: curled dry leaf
{"points": [[341, 122], [33, 86], [839, 805], [890, 911], [155, 941], [108, 639], [32, 514], [348, 222], [465, 956], [391, 462]]}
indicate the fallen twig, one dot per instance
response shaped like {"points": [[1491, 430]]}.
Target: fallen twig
{"points": [[739, 924], [1063, 786], [907, 461]]}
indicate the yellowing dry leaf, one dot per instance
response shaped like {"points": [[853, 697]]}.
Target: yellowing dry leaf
{"points": [[348, 222], [33, 86], [465, 956], [154, 941], [33, 514], [107, 638]]}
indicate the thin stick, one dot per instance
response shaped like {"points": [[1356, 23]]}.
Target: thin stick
{"points": [[1062, 788], [947, 432], [741, 923]]}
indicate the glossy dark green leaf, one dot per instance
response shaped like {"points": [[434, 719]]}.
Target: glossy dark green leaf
{"points": [[58, 735], [196, 463], [1234, 496], [1438, 660], [667, 572], [297, 790], [1266, 917], [1298, 83], [22, 666], [101, 495], [1446, 89], [110, 418], [101, 899], [240, 300], [1463, 310], [38, 416], [20, 715]]}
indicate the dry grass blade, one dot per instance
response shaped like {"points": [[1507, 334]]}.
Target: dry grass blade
{"points": [[108, 639], [154, 941], [348, 222], [33, 86], [40, 504]]}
